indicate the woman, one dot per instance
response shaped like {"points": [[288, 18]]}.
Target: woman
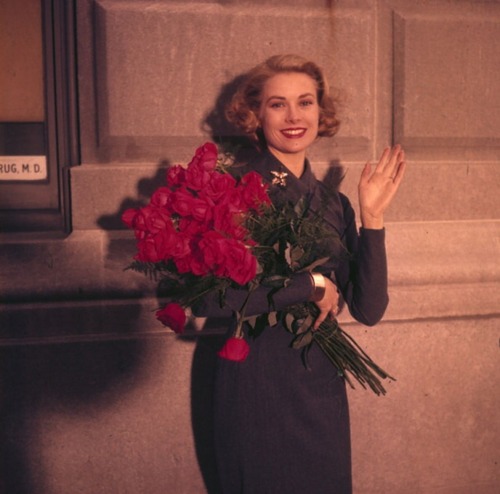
{"points": [[280, 427]]}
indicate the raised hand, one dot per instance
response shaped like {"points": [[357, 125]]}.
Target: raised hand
{"points": [[376, 190]]}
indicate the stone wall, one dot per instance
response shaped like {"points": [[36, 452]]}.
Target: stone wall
{"points": [[96, 397]]}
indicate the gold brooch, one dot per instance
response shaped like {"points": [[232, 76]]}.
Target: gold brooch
{"points": [[279, 178]]}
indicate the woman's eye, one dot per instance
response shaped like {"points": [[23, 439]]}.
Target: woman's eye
{"points": [[307, 102], [277, 104]]}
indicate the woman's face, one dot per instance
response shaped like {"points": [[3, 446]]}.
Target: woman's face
{"points": [[289, 114]]}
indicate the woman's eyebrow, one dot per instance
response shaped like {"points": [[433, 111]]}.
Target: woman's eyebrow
{"points": [[305, 95]]}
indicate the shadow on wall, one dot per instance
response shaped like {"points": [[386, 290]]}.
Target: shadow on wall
{"points": [[145, 188], [70, 378]]}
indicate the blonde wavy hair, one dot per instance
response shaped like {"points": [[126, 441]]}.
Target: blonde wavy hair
{"points": [[243, 109]]}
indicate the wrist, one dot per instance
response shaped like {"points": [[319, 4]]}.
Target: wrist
{"points": [[372, 222], [319, 287]]}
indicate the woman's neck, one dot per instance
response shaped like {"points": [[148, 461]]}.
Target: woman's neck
{"points": [[294, 162]]}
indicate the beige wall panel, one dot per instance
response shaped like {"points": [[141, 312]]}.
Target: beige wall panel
{"points": [[447, 89], [426, 253], [86, 266], [438, 426], [98, 397], [160, 70], [435, 191]]}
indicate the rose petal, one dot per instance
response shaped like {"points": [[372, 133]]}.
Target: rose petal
{"points": [[235, 349], [173, 316]]}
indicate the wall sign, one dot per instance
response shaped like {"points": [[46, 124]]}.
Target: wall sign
{"points": [[25, 168]]}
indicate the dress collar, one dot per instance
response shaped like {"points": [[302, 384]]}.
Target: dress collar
{"points": [[275, 173], [322, 200]]}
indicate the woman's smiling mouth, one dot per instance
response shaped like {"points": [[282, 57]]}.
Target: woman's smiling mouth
{"points": [[293, 133]]}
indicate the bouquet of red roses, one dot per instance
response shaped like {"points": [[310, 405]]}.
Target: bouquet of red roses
{"points": [[205, 231], [192, 233]]}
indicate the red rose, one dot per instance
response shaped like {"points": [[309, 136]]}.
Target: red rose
{"points": [[233, 198], [240, 264], [192, 263], [202, 210], [147, 250], [219, 185], [253, 190], [184, 203], [169, 243], [175, 176], [229, 222], [205, 157], [235, 349], [226, 257], [181, 201], [173, 316], [181, 246], [197, 178], [209, 252], [156, 219], [134, 218], [139, 225], [160, 197], [160, 245], [148, 219], [191, 227], [128, 217]]}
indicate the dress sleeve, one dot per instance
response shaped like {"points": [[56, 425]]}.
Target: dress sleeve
{"points": [[362, 279], [299, 290]]}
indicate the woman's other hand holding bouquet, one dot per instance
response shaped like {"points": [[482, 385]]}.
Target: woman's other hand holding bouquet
{"points": [[328, 304]]}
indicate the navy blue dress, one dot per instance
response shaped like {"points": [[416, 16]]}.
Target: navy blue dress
{"points": [[281, 428]]}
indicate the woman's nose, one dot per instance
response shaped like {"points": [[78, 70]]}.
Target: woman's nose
{"points": [[292, 114]]}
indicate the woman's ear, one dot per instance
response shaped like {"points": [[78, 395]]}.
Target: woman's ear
{"points": [[256, 119]]}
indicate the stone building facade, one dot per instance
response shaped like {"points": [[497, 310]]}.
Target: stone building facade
{"points": [[96, 397]]}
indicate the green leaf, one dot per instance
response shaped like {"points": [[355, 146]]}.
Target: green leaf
{"points": [[261, 323], [287, 254], [251, 321], [273, 318], [303, 340], [305, 325], [289, 320], [276, 281], [296, 254], [315, 264]]}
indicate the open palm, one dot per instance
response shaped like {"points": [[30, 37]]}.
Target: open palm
{"points": [[376, 190]]}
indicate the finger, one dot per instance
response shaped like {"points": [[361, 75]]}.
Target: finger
{"points": [[333, 313], [366, 172], [399, 173], [384, 159], [393, 156], [319, 320], [397, 158]]}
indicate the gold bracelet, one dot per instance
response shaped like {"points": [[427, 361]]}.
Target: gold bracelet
{"points": [[319, 284]]}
